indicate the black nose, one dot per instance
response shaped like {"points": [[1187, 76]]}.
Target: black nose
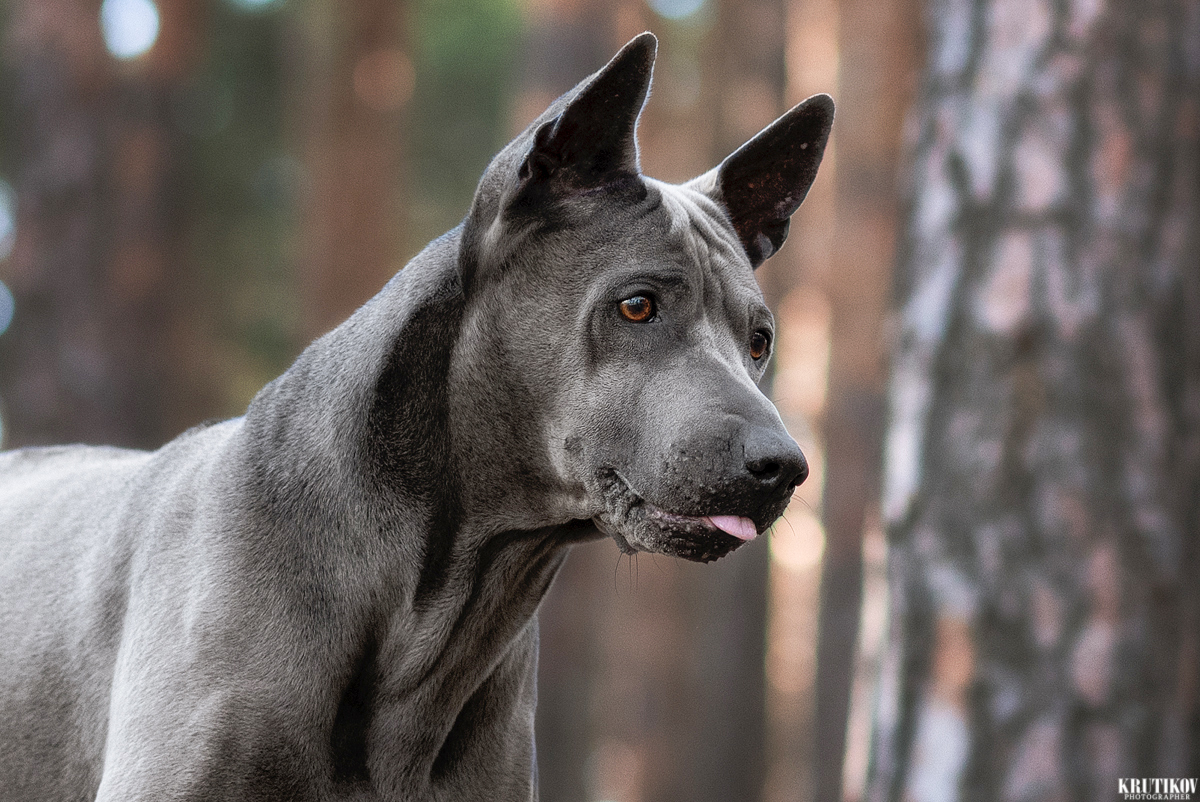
{"points": [[776, 461]]}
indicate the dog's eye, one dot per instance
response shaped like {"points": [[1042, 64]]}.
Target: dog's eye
{"points": [[638, 309], [759, 341]]}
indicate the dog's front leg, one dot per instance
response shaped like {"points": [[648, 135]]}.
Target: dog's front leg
{"points": [[236, 710], [219, 748]]}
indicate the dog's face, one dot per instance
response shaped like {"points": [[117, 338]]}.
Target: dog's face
{"points": [[628, 312]]}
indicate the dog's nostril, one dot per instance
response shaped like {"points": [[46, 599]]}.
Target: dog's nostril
{"points": [[764, 469], [774, 462]]}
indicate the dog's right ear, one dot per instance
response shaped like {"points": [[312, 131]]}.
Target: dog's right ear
{"points": [[593, 140], [762, 183]]}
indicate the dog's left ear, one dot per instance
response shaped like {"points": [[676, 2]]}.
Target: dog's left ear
{"points": [[762, 183], [594, 138]]}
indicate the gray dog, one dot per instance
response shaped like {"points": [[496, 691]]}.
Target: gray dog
{"points": [[334, 597]]}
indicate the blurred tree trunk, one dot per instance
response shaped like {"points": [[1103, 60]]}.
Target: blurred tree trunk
{"points": [[96, 270], [563, 45], [1042, 478], [715, 747], [652, 688], [877, 55], [357, 76]]}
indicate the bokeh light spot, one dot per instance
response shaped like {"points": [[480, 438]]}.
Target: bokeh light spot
{"points": [[8, 219], [130, 27], [7, 307], [676, 9], [798, 542], [253, 5]]}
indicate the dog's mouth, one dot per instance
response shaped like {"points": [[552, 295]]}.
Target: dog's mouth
{"points": [[637, 525]]}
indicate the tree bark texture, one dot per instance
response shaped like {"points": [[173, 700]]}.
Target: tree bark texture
{"points": [[96, 269], [1042, 470]]}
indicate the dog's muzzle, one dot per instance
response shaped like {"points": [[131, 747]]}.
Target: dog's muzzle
{"points": [[635, 524]]}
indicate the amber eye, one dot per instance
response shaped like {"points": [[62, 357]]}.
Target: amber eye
{"points": [[638, 309], [759, 341]]}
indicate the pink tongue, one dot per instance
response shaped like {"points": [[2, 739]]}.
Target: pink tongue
{"points": [[741, 528]]}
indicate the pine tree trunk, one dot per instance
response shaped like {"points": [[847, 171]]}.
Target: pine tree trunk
{"points": [[717, 747], [1042, 470], [877, 47]]}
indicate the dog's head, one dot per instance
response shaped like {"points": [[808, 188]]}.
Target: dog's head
{"points": [[620, 318]]}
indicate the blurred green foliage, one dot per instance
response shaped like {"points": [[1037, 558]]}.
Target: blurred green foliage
{"points": [[465, 53], [247, 180], [243, 192], [242, 175]]}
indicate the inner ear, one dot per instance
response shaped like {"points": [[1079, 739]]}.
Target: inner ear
{"points": [[541, 162], [593, 139], [762, 183]]}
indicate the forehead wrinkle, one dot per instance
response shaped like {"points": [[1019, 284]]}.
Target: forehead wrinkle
{"points": [[699, 223], [705, 216], [698, 215], [683, 229]]}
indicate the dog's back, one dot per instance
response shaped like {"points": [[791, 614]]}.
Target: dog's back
{"points": [[66, 551], [59, 632]]}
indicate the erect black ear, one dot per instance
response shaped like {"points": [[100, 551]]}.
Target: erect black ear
{"points": [[763, 182], [593, 139]]}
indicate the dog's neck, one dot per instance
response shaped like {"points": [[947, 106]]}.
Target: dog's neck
{"points": [[355, 460]]}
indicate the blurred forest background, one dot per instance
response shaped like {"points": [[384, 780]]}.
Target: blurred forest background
{"points": [[1000, 604]]}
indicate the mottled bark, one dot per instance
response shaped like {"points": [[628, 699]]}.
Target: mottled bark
{"points": [[1042, 477], [877, 47], [96, 270]]}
